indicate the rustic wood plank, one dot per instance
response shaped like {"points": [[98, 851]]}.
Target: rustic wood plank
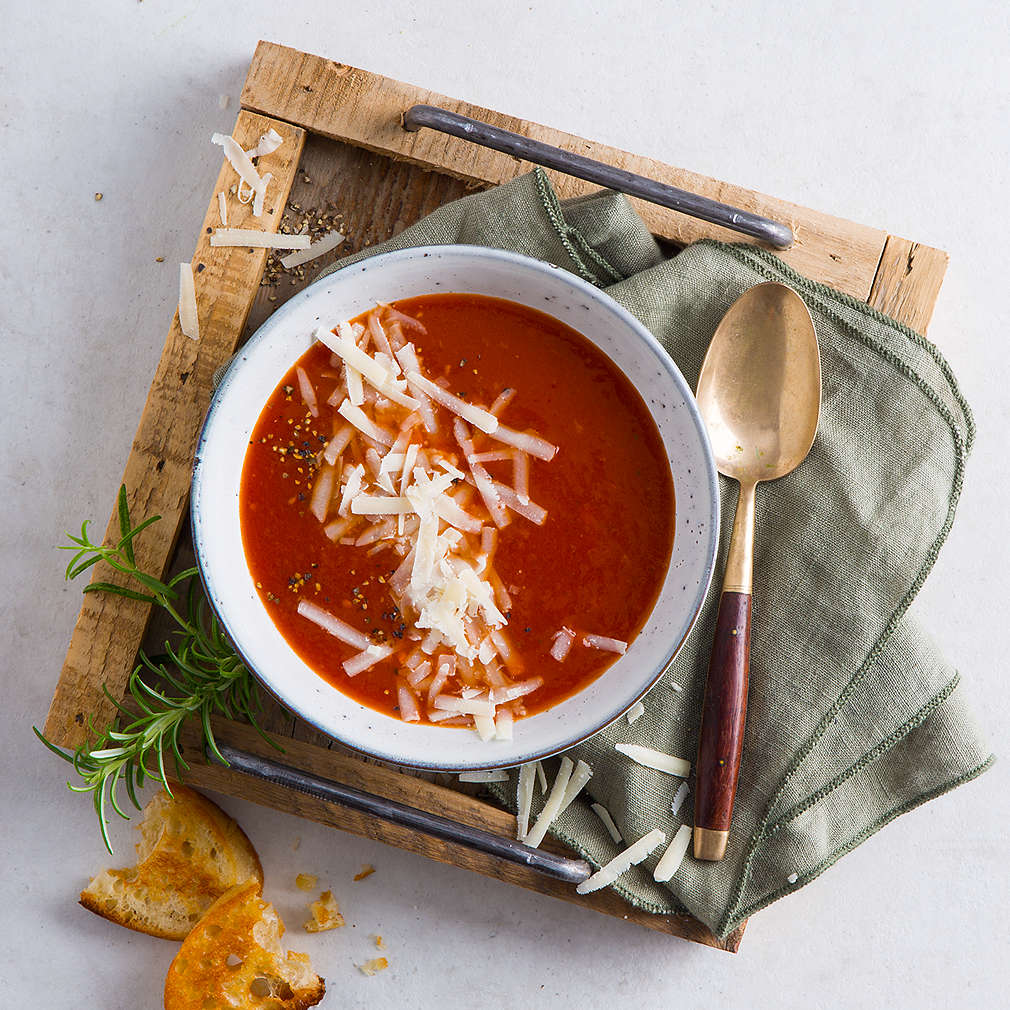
{"points": [[907, 282], [418, 793], [109, 629], [364, 109], [374, 197]]}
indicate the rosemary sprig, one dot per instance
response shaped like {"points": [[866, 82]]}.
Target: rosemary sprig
{"points": [[198, 675]]}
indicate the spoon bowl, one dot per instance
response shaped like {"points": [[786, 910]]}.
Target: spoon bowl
{"points": [[760, 385], [759, 392]]}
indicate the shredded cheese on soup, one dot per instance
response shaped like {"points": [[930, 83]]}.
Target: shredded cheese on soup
{"points": [[441, 512]]}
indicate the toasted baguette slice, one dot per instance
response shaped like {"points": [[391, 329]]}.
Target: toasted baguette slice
{"points": [[233, 958], [190, 852]]}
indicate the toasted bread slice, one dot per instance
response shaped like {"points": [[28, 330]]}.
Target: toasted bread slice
{"points": [[190, 852], [233, 958]]}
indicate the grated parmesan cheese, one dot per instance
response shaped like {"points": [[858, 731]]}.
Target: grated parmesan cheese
{"points": [[253, 238], [504, 724], [605, 644], [364, 423], [267, 144], [669, 863], [407, 359], [238, 159], [367, 659], [541, 778], [401, 319], [678, 798], [580, 776], [608, 822], [553, 805], [351, 488], [336, 627], [336, 529], [623, 862], [636, 712], [507, 496], [465, 706], [409, 712], [189, 320], [655, 759], [307, 391], [532, 444], [503, 695], [521, 477], [366, 366], [502, 400], [261, 194], [338, 444], [381, 341], [318, 248], [484, 724], [477, 416], [222, 208], [524, 799], [562, 644], [375, 505], [322, 492], [447, 509], [491, 775], [377, 486], [421, 672]]}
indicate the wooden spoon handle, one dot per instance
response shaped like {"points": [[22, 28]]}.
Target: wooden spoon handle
{"points": [[723, 718]]}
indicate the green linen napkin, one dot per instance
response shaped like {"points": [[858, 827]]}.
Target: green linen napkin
{"points": [[854, 716]]}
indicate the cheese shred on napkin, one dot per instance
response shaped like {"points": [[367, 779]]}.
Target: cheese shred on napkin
{"points": [[854, 716]]}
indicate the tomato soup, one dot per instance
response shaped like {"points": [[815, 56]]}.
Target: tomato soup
{"points": [[457, 510]]}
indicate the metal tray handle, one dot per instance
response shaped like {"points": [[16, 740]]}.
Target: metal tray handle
{"points": [[774, 233], [573, 871]]}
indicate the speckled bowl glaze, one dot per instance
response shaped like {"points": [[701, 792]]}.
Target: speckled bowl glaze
{"points": [[272, 350]]}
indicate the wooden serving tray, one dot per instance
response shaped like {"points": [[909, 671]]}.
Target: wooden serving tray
{"points": [[345, 150]]}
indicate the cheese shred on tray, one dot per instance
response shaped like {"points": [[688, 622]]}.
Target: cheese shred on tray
{"points": [[401, 463], [622, 862]]}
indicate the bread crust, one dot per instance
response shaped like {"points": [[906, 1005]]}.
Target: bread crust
{"points": [[233, 957], [190, 852]]}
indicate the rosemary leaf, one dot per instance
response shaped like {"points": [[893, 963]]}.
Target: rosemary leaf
{"points": [[125, 543], [114, 590], [198, 674]]}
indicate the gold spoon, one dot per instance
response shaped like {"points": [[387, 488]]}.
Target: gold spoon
{"points": [[760, 395]]}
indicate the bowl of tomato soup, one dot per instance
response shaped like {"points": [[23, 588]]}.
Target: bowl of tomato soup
{"points": [[455, 507]]}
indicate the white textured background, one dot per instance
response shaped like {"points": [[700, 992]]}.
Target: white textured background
{"points": [[892, 114]]}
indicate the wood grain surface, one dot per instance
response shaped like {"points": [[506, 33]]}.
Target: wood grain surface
{"points": [[724, 715], [375, 198], [358, 164], [907, 282], [109, 629], [364, 109]]}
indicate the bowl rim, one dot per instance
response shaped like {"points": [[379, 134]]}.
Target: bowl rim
{"points": [[578, 284]]}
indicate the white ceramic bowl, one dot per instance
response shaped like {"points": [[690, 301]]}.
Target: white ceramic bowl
{"points": [[254, 374]]}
